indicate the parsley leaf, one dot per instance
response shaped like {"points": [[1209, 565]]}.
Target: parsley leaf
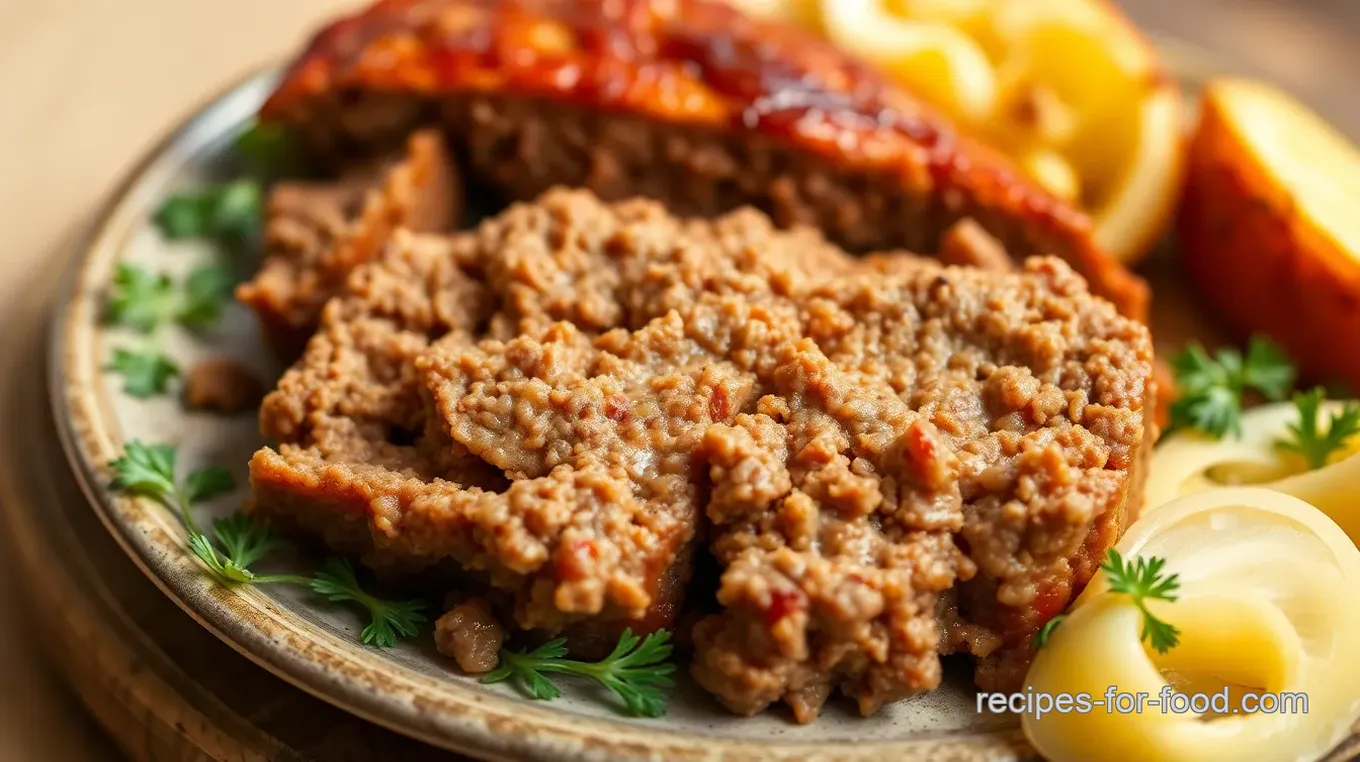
{"points": [[149, 471], [206, 482], [389, 619], [227, 212], [1143, 581], [145, 374], [144, 302], [244, 541], [636, 671], [1211, 388], [146, 470], [265, 148], [1046, 632], [205, 290], [1268, 370], [138, 299], [1315, 446]]}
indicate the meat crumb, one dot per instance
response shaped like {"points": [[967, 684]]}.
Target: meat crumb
{"points": [[223, 385], [968, 244], [471, 636]]}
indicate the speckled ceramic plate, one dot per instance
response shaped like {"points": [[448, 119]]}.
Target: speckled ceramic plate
{"points": [[409, 688]]}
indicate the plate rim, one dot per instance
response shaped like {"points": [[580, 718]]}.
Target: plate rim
{"points": [[469, 721]]}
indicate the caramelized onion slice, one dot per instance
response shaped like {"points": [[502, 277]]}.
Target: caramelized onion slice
{"points": [[1269, 602]]}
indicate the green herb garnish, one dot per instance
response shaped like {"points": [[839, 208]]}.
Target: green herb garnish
{"points": [[1211, 388], [149, 471], [139, 300], [229, 212], [390, 619], [1304, 437], [205, 290], [145, 374], [636, 671], [144, 301], [265, 148], [1143, 581], [1046, 632], [243, 541]]}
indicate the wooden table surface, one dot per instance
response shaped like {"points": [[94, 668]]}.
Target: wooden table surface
{"points": [[85, 87], [88, 85]]}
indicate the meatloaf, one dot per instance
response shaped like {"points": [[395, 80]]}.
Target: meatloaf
{"points": [[889, 458], [685, 101], [318, 230]]}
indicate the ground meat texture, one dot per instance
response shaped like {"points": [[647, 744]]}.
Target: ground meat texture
{"points": [[889, 458], [688, 102], [317, 232], [469, 634], [222, 385]]}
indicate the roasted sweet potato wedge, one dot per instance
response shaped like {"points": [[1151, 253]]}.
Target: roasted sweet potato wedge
{"points": [[1269, 229]]}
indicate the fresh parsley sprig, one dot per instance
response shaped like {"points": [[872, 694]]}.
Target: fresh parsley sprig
{"points": [[637, 671], [146, 373], [1305, 438], [140, 300], [1046, 632], [149, 471], [1211, 388], [144, 301], [243, 541], [229, 212], [1142, 581], [389, 619], [266, 149]]}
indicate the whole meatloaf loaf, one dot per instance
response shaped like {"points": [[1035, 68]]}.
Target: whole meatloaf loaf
{"points": [[685, 101], [889, 459]]}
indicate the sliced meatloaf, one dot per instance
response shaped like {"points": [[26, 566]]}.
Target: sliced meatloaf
{"points": [[318, 231], [889, 458], [685, 101]]}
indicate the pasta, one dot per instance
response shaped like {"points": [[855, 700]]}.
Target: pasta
{"points": [[1189, 462], [1269, 601]]}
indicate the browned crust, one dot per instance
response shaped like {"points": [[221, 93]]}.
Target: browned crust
{"points": [[696, 64]]}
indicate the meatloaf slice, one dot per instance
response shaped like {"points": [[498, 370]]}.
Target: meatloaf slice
{"points": [[317, 232], [361, 462], [687, 101], [889, 458], [934, 428]]}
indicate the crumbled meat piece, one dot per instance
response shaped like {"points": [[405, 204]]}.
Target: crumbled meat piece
{"points": [[223, 385], [968, 244], [316, 233], [470, 635], [889, 458], [689, 102]]}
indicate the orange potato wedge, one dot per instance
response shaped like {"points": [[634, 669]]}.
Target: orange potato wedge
{"points": [[1270, 225]]}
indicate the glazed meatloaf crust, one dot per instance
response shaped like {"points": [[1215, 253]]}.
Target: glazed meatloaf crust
{"points": [[888, 458], [317, 231], [685, 101]]}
